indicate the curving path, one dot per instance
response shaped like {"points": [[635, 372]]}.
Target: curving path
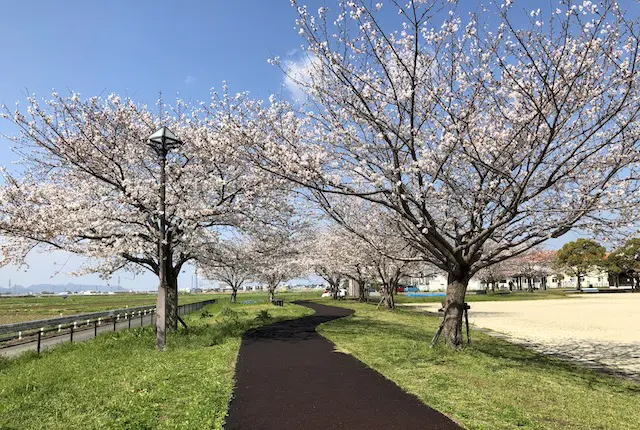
{"points": [[290, 377]]}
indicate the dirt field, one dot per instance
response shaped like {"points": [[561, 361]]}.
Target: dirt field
{"points": [[604, 329]]}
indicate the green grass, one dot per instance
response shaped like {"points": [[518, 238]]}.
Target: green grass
{"points": [[493, 384], [516, 295], [28, 308], [119, 380]]}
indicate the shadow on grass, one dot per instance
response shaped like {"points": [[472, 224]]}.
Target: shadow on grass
{"points": [[493, 354]]}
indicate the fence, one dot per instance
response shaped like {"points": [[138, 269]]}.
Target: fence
{"points": [[34, 335]]}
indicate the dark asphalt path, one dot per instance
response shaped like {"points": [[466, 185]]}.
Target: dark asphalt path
{"points": [[290, 377]]}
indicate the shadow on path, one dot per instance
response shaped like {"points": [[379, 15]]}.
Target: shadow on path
{"points": [[290, 377]]}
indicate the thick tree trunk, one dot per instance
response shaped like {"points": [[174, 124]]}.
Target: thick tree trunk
{"points": [[579, 286], [361, 288], [454, 304], [172, 300], [387, 292], [272, 291], [234, 293], [616, 280]]}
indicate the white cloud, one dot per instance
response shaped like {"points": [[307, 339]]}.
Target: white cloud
{"points": [[298, 73], [189, 80]]}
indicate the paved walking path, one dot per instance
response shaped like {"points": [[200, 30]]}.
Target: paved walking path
{"points": [[290, 377]]}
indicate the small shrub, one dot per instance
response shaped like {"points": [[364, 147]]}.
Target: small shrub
{"points": [[205, 313], [263, 315], [228, 315]]}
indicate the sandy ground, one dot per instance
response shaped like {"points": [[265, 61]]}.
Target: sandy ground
{"points": [[604, 329]]}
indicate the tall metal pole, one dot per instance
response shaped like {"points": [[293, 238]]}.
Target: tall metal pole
{"points": [[161, 305]]}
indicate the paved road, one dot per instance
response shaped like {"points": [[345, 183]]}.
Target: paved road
{"points": [[79, 335], [290, 377]]}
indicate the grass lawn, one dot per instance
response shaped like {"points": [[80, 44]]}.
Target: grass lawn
{"points": [[492, 385], [29, 308], [119, 381], [516, 295]]}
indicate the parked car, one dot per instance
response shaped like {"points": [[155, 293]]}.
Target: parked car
{"points": [[342, 293], [411, 290], [401, 289]]}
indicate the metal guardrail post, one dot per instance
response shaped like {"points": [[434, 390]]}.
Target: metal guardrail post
{"points": [[73, 325]]}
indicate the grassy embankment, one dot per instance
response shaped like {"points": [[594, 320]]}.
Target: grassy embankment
{"points": [[119, 381], [29, 308], [491, 385]]}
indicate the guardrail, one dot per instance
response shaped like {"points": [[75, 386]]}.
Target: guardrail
{"points": [[33, 335]]}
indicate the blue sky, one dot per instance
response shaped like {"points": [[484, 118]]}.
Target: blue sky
{"points": [[141, 48]]}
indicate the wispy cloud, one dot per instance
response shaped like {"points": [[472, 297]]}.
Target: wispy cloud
{"points": [[298, 74], [189, 80], [292, 52]]}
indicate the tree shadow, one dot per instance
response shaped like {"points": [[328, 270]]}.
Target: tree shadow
{"points": [[508, 354]]}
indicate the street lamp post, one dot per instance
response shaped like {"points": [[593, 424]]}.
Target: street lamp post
{"points": [[162, 141]]}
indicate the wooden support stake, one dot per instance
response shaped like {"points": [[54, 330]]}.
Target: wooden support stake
{"points": [[181, 322]]}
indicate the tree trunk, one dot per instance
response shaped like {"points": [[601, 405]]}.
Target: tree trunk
{"points": [[234, 293], [387, 292], [579, 286], [172, 300], [272, 291], [361, 287], [454, 304], [616, 280]]}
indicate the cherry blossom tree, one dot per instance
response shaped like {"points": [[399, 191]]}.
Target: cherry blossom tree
{"points": [[535, 263], [328, 255], [280, 254], [483, 137], [495, 273], [88, 184], [232, 263], [372, 245]]}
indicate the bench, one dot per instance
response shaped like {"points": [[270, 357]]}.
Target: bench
{"points": [[278, 302]]}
